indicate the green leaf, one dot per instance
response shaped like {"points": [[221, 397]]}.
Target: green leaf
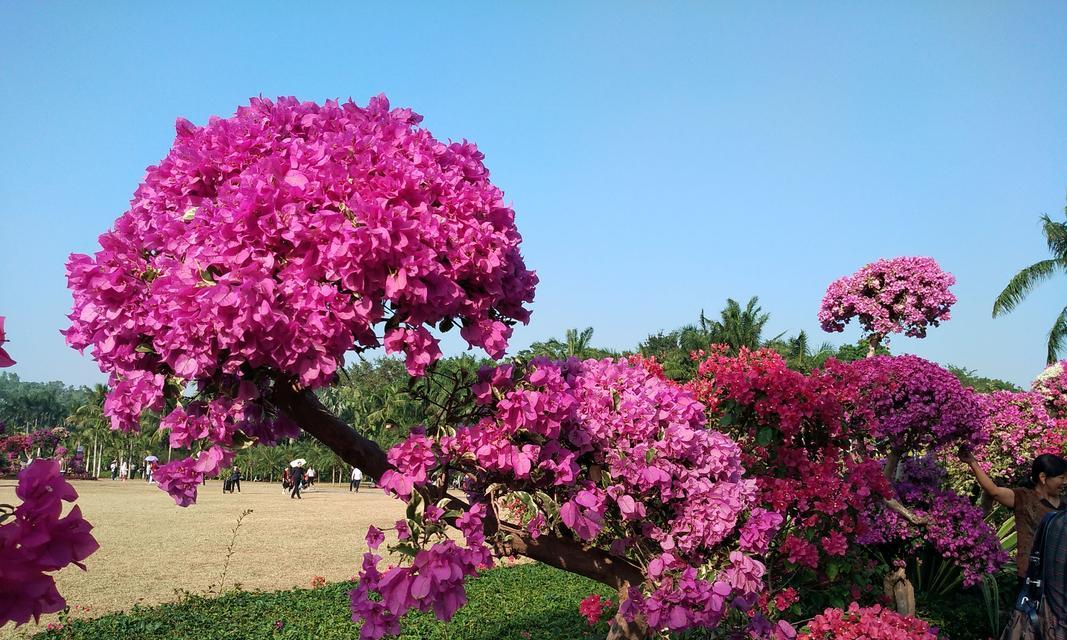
{"points": [[765, 436]]}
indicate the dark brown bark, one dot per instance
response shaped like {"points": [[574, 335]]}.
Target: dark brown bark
{"points": [[563, 553]]}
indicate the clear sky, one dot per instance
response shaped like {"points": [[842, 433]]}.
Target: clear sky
{"points": [[661, 157]]}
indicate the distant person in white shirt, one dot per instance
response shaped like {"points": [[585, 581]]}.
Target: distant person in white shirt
{"points": [[124, 471], [357, 478]]}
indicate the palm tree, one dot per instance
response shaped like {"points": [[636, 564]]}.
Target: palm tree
{"points": [[1028, 278], [799, 354], [575, 344], [738, 327]]}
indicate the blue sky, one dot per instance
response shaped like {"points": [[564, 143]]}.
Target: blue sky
{"points": [[660, 158]]}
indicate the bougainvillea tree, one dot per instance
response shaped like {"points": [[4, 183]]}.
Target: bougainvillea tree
{"points": [[899, 295], [267, 245]]}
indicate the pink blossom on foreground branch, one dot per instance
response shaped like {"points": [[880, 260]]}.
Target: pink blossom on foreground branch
{"points": [[5, 360], [269, 244], [37, 540], [900, 295], [600, 451]]}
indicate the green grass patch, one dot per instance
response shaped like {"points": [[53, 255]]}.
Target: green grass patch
{"points": [[525, 602]]}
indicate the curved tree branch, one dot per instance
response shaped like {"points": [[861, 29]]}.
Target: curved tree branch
{"points": [[305, 409]]}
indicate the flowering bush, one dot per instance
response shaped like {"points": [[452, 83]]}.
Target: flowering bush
{"points": [[47, 440], [801, 442], [915, 405], [1019, 429], [954, 527], [602, 451], [267, 245], [899, 295], [868, 623], [12, 448], [1052, 385], [36, 541]]}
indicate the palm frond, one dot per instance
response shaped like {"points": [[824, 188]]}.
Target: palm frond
{"points": [[1057, 336], [1055, 236], [1023, 283]]}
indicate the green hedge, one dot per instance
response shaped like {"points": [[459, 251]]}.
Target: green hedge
{"points": [[525, 602]]}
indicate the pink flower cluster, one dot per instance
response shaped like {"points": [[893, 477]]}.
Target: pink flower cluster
{"points": [[617, 457], [1019, 429], [271, 243], [802, 443], [954, 526], [890, 296], [915, 404], [866, 623], [1052, 385], [5, 360], [433, 582], [37, 541]]}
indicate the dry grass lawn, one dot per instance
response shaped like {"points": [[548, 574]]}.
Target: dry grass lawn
{"points": [[149, 547]]}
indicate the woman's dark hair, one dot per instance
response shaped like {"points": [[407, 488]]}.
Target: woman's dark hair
{"points": [[1049, 464]]}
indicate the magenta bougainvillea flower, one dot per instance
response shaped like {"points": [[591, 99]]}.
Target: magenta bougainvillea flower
{"points": [[269, 244], [36, 541], [900, 295]]}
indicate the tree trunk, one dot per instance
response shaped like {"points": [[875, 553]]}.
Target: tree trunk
{"points": [[623, 629], [899, 589], [873, 343]]}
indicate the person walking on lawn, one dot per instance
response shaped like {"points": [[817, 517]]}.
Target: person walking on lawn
{"points": [[298, 480], [357, 478]]}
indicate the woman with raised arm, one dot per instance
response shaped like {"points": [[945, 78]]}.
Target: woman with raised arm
{"points": [[1030, 502]]}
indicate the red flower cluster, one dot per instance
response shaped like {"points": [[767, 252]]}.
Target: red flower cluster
{"points": [[593, 607], [803, 442], [866, 623]]}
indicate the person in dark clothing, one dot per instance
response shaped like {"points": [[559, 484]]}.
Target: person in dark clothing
{"points": [[298, 479], [235, 480], [1029, 502]]}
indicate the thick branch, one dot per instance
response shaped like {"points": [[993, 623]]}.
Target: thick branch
{"points": [[306, 410]]}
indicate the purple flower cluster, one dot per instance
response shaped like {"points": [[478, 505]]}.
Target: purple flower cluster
{"points": [[914, 404], [617, 457], [37, 540], [271, 243], [954, 526], [899, 295]]}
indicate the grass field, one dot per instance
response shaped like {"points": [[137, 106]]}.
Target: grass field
{"points": [[149, 547]]}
